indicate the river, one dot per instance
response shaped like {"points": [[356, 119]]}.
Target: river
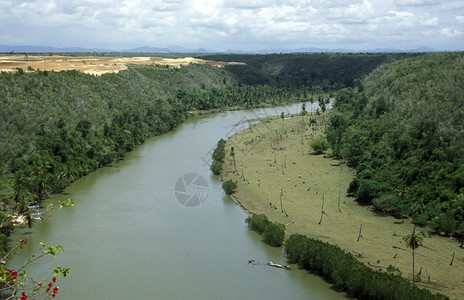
{"points": [[130, 237]]}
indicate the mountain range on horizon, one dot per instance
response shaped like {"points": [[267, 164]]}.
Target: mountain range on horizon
{"points": [[180, 49]]}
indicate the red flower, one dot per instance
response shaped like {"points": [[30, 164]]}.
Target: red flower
{"points": [[54, 292], [21, 243], [54, 279], [13, 273], [49, 287], [23, 296]]}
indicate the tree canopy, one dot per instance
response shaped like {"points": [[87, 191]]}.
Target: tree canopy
{"points": [[402, 128]]}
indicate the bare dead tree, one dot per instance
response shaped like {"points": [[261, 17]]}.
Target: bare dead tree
{"points": [[322, 210], [360, 232], [339, 196]]}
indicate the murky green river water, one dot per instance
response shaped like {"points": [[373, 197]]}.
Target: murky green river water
{"points": [[128, 236]]}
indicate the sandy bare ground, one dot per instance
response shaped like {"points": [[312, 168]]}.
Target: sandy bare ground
{"points": [[95, 65]]}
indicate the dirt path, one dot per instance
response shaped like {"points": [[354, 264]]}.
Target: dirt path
{"points": [[274, 158]]}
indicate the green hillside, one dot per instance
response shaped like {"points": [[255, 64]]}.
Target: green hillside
{"points": [[403, 131]]}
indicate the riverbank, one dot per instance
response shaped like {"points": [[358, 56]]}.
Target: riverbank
{"points": [[277, 175]]}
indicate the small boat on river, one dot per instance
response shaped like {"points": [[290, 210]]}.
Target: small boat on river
{"points": [[278, 266]]}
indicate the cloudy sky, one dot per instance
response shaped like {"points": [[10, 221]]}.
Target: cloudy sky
{"points": [[234, 24]]}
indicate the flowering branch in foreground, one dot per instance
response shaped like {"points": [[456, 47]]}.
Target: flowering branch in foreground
{"points": [[16, 284]]}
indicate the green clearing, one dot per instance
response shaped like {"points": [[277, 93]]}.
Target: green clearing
{"points": [[275, 157]]}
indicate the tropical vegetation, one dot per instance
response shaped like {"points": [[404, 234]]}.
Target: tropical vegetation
{"points": [[218, 157], [349, 274], [402, 128], [272, 232]]}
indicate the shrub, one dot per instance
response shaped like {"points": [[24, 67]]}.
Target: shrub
{"points": [[429, 212], [367, 190], [391, 204], [420, 219], [257, 222], [460, 230], [219, 153], [354, 185], [320, 145], [273, 233], [394, 270], [218, 157], [229, 187], [216, 167], [448, 223]]}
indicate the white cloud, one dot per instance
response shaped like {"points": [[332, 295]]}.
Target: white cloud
{"points": [[451, 32], [401, 14], [431, 22], [452, 5], [460, 20], [330, 4], [417, 2], [239, 24], [247, 4]]}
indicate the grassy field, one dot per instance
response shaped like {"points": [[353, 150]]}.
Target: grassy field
{"points": [[278, 175]]}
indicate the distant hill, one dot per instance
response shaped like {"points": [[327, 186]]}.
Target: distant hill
{"points": [[180, 49], [47, 49], [329, 71]]}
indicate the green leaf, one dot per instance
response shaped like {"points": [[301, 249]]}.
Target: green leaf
{"points": [[61, 271], [50, 250], [66, 203], [23, 274]]}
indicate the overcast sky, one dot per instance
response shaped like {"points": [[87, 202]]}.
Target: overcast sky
{"points": [[234, 24]]}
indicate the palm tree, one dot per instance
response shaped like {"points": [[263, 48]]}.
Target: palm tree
{"points": [[413, 241]]}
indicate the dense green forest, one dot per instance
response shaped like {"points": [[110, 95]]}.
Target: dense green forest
{"points": [[316, 72], [402, 128]]}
